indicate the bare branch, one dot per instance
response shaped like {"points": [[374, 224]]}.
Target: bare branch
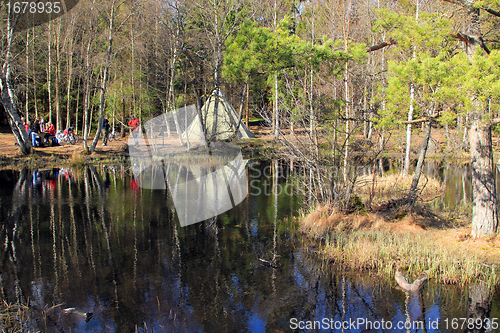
{"points": [[423, 119], [495, 121], [381, 45], [469, 40], [491, 11]]}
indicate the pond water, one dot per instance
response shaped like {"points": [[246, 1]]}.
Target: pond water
{"points": [[93, 240]]}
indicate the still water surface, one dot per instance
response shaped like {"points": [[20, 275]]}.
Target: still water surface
{"points": [[93, 240]]}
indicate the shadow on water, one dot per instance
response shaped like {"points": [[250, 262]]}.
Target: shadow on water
{"points": [[93, 240]]}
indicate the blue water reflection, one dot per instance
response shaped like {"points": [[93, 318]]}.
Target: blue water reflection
{"points": [[93, 240]]}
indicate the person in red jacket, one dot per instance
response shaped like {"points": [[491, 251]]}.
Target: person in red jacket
{"points": [[26, 125], [134, 124], [50, 133]]}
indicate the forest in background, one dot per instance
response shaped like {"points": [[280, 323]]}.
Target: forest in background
{"points": [[343, 74]]}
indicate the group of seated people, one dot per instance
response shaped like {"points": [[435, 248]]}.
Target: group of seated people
{"points": [[38, 128]]}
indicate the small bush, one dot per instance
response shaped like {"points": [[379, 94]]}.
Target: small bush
{"points": [[356, 204], [124, 147]]}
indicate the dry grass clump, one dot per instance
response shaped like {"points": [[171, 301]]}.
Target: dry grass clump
{"points": [[77, 158], [325, 220], [13, 317], [370, 242], [381, 251], [396, 186]]}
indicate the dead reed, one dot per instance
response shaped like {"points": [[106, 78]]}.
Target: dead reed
{"points": [[77, 158], [369, 242], [13, 317], [395, 186]]}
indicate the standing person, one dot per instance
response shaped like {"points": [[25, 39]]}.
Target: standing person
{"points": [[42, 124], [35, 128], [26, 125], [28, 128], [134, 124], [105, 126]]}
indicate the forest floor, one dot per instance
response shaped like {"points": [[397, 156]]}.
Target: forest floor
{"points": [[115, 152], [10, 154]]}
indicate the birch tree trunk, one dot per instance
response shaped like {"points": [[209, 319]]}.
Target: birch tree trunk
{"points": [[34, 74], [171, 95], [105, 77], [7, 96], [49, 70], [346, 28], [412, 193], [69, 78], [57, 98], [86, 104], [406, 169], [27, 76], [275, 109]]}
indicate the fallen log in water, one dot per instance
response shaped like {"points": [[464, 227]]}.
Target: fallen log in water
{"points": [[415, 286]]}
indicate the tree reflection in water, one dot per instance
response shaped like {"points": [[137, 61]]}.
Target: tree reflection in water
{"points": [[89, 239]]}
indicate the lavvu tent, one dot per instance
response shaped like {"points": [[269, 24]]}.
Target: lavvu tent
{"points": [[221, 121]]}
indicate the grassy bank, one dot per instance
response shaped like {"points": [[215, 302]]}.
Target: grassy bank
{"points": [[377, 244], [73, 159], [115, 153]]}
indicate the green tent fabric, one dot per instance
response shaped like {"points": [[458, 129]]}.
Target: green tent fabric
{"points": [[221, 120]]}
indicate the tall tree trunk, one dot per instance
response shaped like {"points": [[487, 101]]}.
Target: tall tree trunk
{"points": [[122, 129], [276, 120], [247, 111], [346, 29], [27, 76], [484, 194], [49, 71], [7, 97], [76, 108], [34, 75], [132, 64], [347, 114], [312, 115], [412, 193], [406, 169], [86, 104], [365, 112], [68, 87], [171, 93], [105, 77], [57, 98], [275, 109], [484, 204]]}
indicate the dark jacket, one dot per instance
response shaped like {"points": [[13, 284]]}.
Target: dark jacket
{"points": [[105, 124], [35, 127]]}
